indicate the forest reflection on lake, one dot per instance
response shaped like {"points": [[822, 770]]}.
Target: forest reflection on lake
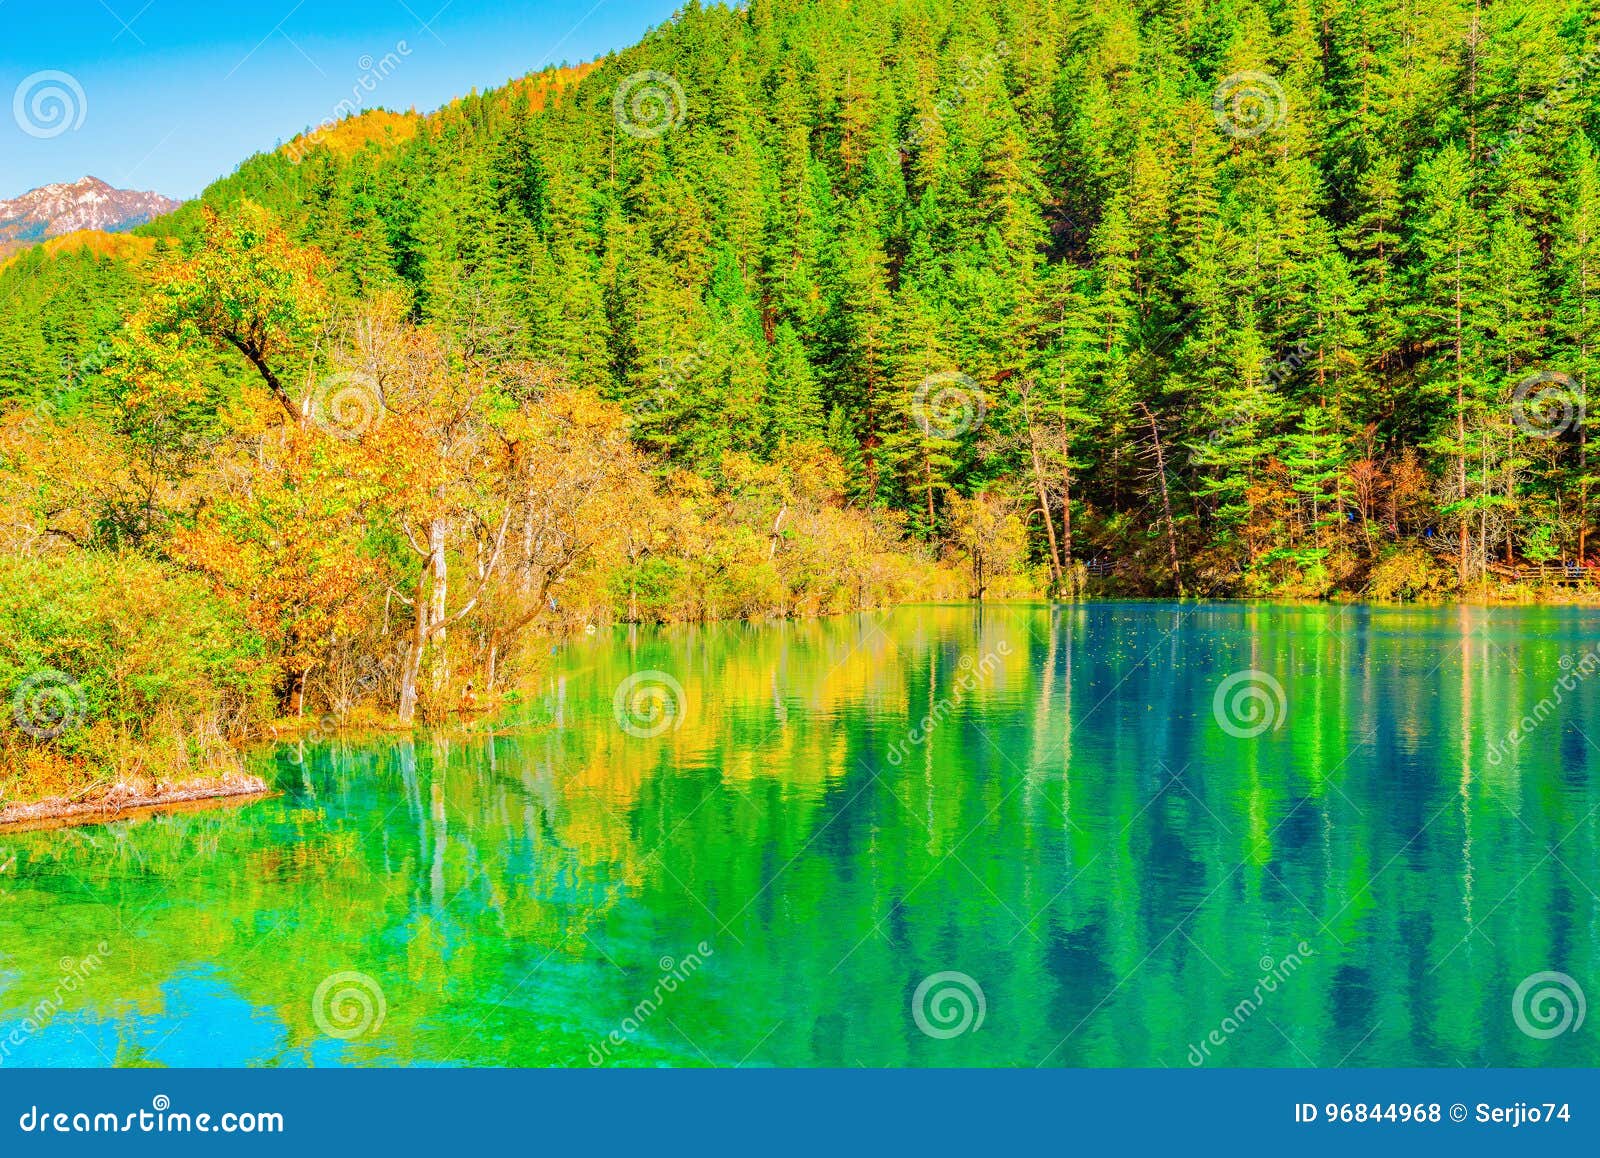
{"points": [[1078, 828]]}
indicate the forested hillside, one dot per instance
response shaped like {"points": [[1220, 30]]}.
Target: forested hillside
{"points": [[1296, 298]]}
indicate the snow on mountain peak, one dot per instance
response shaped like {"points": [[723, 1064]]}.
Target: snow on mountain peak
{"points": [[88, 203]]}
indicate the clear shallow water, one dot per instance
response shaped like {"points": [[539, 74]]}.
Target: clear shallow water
{"points": [[771, 879]]}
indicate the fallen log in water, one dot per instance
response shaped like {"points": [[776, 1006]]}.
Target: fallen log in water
{"points": [[124, 801]]}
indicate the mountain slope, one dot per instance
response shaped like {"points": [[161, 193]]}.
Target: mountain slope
{"points": [[89, 204], [1226, 298]]}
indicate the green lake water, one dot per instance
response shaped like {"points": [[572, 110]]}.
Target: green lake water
{"points": [[1099, 835]]}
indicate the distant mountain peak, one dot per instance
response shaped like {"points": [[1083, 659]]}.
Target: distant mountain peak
{"points": [[69, 207]]}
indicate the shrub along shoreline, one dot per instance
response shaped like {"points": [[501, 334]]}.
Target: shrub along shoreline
{"points": [[122, 675], [132, 687]]}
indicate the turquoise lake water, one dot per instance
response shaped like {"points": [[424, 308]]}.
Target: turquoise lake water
{"points": [[1097, 835]]}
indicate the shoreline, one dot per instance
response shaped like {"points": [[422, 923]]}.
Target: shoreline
{"points": [[123, 802]]}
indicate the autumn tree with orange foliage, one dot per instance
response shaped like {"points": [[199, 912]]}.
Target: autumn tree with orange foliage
{"points": [[431, 504]]}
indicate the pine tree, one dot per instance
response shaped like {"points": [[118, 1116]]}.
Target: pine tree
{"points": [[1448, 315], [1577, 321]]}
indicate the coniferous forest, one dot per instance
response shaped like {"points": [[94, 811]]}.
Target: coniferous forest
{"points": [[801, 307]]}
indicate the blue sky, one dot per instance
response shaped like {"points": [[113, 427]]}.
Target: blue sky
{"points": [[171, 94]]}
